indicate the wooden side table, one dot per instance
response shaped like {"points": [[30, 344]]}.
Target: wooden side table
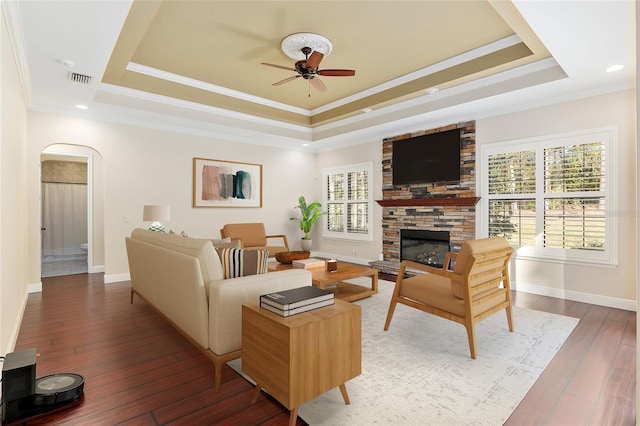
{"points": [[300, 357]]}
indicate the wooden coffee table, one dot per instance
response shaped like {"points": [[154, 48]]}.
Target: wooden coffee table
{"points": [[302, 356], [334, 281]]}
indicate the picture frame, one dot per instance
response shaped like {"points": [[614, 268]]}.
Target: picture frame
{"points": [[221, 183]]}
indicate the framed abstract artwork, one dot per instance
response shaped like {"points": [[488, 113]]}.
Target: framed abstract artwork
{"points": [[218, 183]]}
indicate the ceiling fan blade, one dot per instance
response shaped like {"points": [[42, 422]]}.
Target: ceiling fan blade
{"points": [[317, 84], [337, 73], [279, 66], [314, 60], [286, 80]]}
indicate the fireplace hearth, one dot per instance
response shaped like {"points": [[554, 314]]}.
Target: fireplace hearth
{"points": [[424, 246]]}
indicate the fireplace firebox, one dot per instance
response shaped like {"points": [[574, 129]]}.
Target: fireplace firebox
{"points": [[424, 246]]}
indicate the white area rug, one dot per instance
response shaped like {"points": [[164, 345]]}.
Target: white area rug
{"points": [[420, 372]]}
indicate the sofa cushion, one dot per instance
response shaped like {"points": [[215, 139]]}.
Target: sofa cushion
{"points": [[241, 262], [468, 249], [210, 265]]}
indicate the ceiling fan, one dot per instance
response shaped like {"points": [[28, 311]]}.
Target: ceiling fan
{"points": [[308, 69]]}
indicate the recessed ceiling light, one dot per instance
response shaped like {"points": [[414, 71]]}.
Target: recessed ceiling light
{"points": [[305, 144], [614, 68], [80, 106], [432, 90], [367, 110]]}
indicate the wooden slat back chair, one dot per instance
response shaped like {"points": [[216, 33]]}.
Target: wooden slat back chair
{"points": [[254, 236], [466, 295]]}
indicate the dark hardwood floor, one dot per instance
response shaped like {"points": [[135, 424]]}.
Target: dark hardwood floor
{"points": [[139, 371]]}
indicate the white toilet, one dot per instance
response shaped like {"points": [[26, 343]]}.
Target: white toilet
{"points": [[84, 247]]}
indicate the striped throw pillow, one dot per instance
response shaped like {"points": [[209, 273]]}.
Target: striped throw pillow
{"points": [[242, 262]]}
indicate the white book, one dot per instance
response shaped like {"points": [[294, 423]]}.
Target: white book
{"points": [[289, 312], [296, 297], [308, 263]]}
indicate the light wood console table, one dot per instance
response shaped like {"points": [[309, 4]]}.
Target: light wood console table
{"points": [[302, 356]]}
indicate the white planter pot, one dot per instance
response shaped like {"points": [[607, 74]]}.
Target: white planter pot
{"points": [[306, 244]]}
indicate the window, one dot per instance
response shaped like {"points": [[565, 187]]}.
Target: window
{"points": [[551, 197], [347, 196]]}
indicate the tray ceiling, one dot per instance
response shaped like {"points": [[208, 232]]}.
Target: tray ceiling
{"points": [[210, 52]]}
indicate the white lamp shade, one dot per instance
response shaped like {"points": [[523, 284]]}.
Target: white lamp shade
{"points": [[156, 213]]}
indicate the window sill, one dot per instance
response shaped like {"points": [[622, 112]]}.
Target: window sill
{"points": [[566, 261]]}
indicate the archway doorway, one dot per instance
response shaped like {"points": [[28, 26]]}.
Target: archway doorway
{"points": [[71, 210]]}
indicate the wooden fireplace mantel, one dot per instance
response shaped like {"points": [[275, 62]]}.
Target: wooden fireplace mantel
{"points": [[432, 201]]}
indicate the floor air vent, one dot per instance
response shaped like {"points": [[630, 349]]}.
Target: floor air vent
{"points": [[79, 78]]}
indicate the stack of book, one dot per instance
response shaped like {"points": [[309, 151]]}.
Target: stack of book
{"points": [[308, 263], [297, 300]]}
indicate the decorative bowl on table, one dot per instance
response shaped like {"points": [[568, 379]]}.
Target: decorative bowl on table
{"points": [[287, 257]]}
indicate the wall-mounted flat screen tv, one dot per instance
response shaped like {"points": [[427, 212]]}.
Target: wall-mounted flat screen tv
{"points": [[427, 158]]}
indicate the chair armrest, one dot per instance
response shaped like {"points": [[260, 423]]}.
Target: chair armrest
{"points": [[447, 261], [424, 268], [284, 239], [237, 239]]}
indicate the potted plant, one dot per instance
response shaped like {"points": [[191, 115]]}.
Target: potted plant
{"points": [[309, 214]]}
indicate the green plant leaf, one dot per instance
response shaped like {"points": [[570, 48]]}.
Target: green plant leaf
{"points": [[309, 214]]}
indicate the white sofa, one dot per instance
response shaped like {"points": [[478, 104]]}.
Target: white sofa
{"points": [[182, 278]]}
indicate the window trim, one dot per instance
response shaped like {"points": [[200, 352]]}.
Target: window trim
{"points": [[368, 167], [609, 134]]}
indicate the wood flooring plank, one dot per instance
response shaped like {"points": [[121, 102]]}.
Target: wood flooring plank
{"points": [[262, 412], [214, 413], [179, 408], [590, 377], [143, 420], [615, 407], [570, 410]]}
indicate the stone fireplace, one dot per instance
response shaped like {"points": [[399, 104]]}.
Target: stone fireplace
{"points": [[438, 207]]}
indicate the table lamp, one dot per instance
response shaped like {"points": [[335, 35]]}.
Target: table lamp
{"points": [[156, 214]]}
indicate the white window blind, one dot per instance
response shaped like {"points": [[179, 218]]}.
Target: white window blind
{"points": [[348, 200], [550, 197], [575, 197]]}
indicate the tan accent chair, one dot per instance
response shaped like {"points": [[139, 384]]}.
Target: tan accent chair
{"points": [[466, 295], [253, 236]]}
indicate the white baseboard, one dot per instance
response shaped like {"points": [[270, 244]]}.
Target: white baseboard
{"points": [[34, 288], [116, 278], [14, 333], [97, 269], [576, 296]]}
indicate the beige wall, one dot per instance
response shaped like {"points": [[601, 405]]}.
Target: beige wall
{"points": [[146, 166], [613, 286], [13, 200]]}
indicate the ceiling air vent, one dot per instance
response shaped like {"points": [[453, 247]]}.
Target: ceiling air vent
{"points": [[80, 78]]}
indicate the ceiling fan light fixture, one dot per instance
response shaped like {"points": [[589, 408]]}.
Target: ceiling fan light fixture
{"points": [[293, 44]]}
